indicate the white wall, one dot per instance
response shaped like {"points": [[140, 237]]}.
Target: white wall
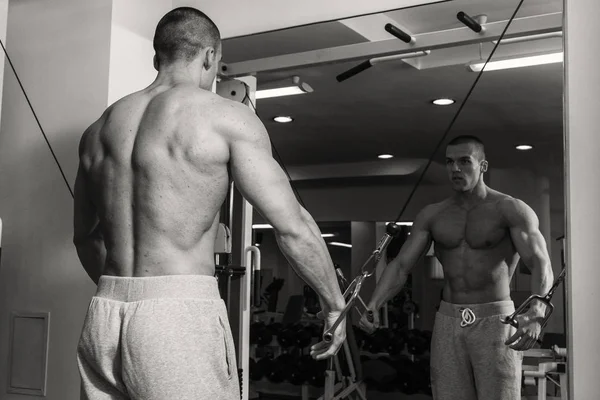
{"points": [[3, 28], [582, 191], [60, 50], [131, 51]]}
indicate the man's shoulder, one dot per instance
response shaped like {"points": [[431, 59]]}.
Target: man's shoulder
{"points": [[430, 211], [237, 121], [181, 96], [435, 208], [205, 98], [514, 210], [507, 203]]}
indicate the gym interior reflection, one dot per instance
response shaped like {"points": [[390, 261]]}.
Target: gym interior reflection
{"points": [[331, 151]]}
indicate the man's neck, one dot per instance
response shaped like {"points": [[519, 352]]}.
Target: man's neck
{"points": [[176, 75], [472, 197]]}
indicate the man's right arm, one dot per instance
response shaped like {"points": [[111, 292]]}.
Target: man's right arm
{"points": [[396, 272], [263, 183]]}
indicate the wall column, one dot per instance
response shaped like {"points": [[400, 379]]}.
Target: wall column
{"points": [[582, 190]]}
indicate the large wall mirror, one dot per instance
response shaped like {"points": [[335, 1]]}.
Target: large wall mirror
{"points": [[364, 137]]}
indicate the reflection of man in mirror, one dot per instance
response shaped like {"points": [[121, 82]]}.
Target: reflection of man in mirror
{"points": [[478, 236]]}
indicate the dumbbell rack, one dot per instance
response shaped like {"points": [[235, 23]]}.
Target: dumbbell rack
{"points": [[284, 389]]}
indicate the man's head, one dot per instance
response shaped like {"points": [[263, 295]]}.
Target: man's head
{"points": [[465, 162], [186, 37]]}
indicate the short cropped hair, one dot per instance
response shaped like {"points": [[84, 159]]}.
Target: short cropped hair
{"points": [[469, 139], [182, 33]]}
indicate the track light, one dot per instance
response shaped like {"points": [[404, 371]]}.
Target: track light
{"points": [[517, 62], [287, 87]]}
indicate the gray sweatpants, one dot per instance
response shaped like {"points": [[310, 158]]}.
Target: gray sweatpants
{"points": [[469, 360], [157, 338]]}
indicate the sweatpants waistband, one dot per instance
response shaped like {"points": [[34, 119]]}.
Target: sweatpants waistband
{"points": [[482, 310], [130, 289]]}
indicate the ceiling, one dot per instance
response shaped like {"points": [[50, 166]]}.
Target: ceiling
{"points": [[387, 109]]}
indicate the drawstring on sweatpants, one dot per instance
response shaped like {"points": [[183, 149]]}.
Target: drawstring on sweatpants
{"points": [[468, 317]]}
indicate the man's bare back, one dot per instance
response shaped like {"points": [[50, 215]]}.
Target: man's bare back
{"points": [[153, 174], [157, 169], [475, 249]]}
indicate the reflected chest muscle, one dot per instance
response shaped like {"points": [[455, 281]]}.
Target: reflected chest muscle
{"points": [[479, 228]]}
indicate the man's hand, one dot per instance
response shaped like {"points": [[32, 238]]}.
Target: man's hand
{"points": [[528, 332], [324, 350], [365, 324]]}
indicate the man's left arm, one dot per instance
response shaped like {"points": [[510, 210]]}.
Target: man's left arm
{"points": [[531, 246], [87, 235]]}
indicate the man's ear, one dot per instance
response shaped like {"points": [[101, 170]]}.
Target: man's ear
{"points": [[210, 58], [484, 166], [155, 62]]}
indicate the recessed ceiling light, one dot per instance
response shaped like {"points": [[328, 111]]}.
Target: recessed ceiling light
{"points": [[283, 119], [385, 156], [524, 147], [443, 102]]}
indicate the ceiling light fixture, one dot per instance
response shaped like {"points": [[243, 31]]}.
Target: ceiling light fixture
{"points": [[517, 62], [283, 119], [327, 235], [524, 147], [443, 102], [287, 87], [385, 156], [339, 244]]}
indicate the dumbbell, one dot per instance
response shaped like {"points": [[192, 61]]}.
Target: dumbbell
{"points": [[286, 337], [255, 373], [303, 337], [378, 341], [406, 379], [262, 334], [316, 375], [279, 369], [257, 334], [423, 376], [384, 340], [300, 371], [417, 343], [295, 335], [410, 307], [379, 373], [260, 368]]}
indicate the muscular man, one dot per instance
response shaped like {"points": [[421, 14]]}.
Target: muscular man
{"points": [[154, 172], [478, 234]]}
